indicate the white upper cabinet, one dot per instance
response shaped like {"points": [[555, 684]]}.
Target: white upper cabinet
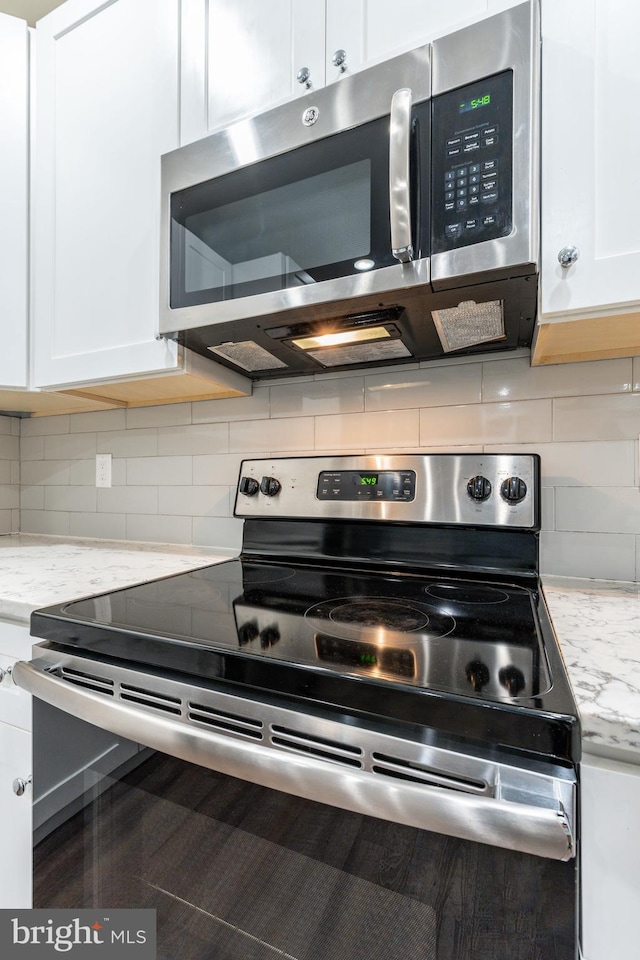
{"points": [[14, 167], [240, 59], [590, 142], [367, 31], [106, 103]]}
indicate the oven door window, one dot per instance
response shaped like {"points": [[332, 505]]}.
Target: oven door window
{"points": [[315, 213]]}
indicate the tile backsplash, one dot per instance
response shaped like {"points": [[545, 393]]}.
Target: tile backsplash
{"points": [[9, 475], [175, 467]]}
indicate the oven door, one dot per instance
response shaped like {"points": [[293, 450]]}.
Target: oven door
{"points": [[244, 872]]}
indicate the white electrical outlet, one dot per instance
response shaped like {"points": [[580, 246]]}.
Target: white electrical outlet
{"points": [[103, 469]]}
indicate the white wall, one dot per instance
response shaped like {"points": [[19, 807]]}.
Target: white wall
{"points": [[175, 467]]}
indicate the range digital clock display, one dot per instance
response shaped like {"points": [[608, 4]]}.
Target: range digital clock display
{"points": [[475, 103], [355, 485], [368, 479]]}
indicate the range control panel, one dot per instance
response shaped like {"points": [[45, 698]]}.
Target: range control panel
{"points": [[472, 163], [454, 489]]}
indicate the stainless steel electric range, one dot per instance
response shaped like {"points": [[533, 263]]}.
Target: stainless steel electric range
{"points": [[381, 647]]}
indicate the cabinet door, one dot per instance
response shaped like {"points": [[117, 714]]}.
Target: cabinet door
{"points": [[610, 801], [106, 109], [15, 817], [239, 59], [591, 141], [372, 30], [14, 158]]}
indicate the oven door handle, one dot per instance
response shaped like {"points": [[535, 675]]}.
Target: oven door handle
{"points": [[399, 175], [543, 830]]}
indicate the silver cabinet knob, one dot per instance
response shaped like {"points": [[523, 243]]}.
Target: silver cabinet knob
{"points": [[20, 785], [339, 59], [568, 256], [304, 76]]}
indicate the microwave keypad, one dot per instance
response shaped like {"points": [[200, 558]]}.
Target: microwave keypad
{"points": [[472, 195]]}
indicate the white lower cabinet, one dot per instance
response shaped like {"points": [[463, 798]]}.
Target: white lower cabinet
{"points": [[15, 817], [610, 859]]}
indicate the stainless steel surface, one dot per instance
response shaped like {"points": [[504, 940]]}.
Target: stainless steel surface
{"points": [[339, 59], [441, 489], [399, 175], [357, 99], [313, 757], [304, 76], [20, 785], [508, 41], [568, 256]]}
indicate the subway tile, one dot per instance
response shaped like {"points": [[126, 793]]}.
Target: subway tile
{"points": [[49, 522], [45, 472], [637, 574], [518, 380], [155, 471], [128, 499], [615, 417], [166, 415], [32, 448], [159, 529], [6, 522], [431, 387], [9, 448], [6, 426], [598, 509], [547, 507], [15, 471], [82, 473], [486, 423], [203, 501], [100, 526], [636, 373], [15, 521], [15, 426], [9, 497], [218, 468], [72, 499], [32, 498], [252, 437], [42, 426], [201, 438], [369, 430], [601, 556], [255, 407], [453, 361], [129, 443], [70, 446], [222, 532], [589, 463], [336, 374], [5, 471], [313, 397], [98, 420]]}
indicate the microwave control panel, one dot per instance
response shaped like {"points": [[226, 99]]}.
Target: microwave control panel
{"points": [[472, 160]]}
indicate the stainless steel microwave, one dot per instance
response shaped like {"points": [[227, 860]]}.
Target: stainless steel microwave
{"points": [[391, 216]]}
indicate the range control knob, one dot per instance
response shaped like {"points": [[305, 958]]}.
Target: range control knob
{"points": [[270, 486], [249, 486], [513, 490], [513, 679], [479, 488], [477, 673]]}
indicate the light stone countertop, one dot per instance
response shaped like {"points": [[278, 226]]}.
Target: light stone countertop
{"points": [[36, 571], [598, 625], [597, 622]]}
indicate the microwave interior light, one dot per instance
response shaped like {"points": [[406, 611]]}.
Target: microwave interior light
{"points": [[340, 339], [365, 264]]}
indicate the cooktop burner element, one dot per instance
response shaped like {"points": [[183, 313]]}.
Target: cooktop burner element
{"points": [[466, 593]]}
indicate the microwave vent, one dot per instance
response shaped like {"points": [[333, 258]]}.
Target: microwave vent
{"points": [[360, 353], [248, 355], [468, 324]]}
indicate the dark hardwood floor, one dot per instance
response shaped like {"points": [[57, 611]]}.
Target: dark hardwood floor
{"points": [[239, 872]]}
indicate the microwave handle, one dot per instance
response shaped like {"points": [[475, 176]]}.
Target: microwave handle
{"points": [[399, 183]]}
